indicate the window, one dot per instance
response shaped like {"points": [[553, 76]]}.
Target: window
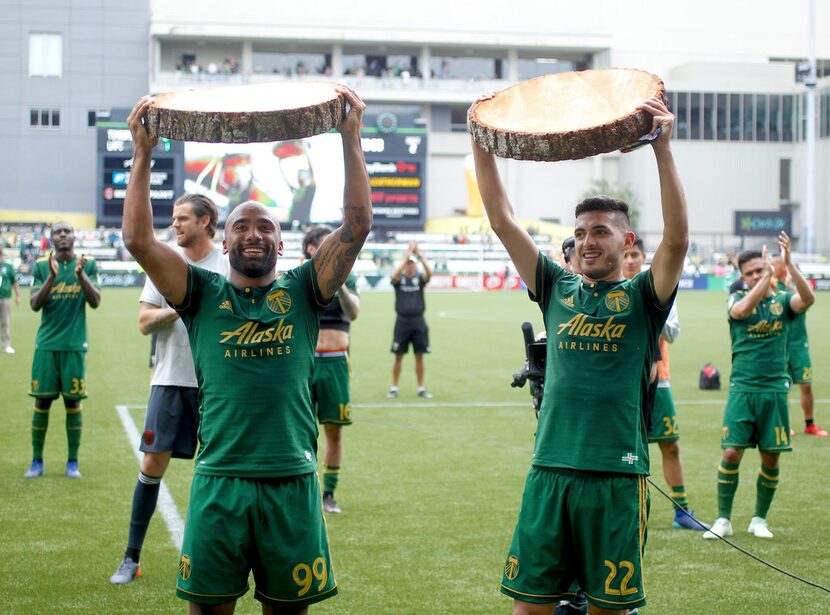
{"points": [[788, 120], [760, 117], [45, 117], [45, 54], [784, 178], [708, 117], [682, 115], [694, 121], [749, 116], [774, 117], [723, 118], [735, 117]]}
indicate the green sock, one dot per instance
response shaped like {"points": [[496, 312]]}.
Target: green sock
{"points": [[331, 474], [74, 424], [767, 483], [678, 494], [727, 486], [40, 421]]}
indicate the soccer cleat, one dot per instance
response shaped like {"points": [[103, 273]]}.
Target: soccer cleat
{"points": [[722, 527], [424, 394], [8, 350], [72, 470], [330, 506], [35, 470], [127, 571], [815, 430], [392, 394], [758, 528], [686, 520]]}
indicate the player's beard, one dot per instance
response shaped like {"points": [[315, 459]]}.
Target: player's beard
{"points": [[250, 266]]}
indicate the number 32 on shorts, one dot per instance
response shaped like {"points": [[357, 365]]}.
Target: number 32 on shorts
{"points": [[305, 575], [624, 589]]}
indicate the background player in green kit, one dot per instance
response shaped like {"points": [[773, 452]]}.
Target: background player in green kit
{"points": [[665, 429], [255, 501], [583, 514], [63, 285], [8, 283], [756, 408], [330, 385], [798, 353]]}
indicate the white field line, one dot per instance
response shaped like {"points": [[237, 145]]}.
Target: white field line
{"points": [[510, 404], [166, 506]]}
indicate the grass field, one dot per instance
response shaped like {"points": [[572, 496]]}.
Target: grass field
{"points": [[430, 488]]}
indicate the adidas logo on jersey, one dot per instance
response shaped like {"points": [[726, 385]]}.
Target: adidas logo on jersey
{"points": [[226, 305], [569, 301]]}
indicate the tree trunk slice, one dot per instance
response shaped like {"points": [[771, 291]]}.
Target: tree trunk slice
{"points": [[566, 116], [247, 114]]}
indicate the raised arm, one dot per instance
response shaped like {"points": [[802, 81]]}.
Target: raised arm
{"points": [[336, 255], [91, 293], [166, 268], [804, 296], [396, 274], [39, 297], [742, 309], [349, 302], [667, 264], [424, 264], [517, 241]]}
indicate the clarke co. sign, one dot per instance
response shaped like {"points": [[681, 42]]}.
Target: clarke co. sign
{"points": [[762, 223]]}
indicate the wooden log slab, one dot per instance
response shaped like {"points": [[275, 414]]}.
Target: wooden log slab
{"points": [[247, 114], [566, 116]]}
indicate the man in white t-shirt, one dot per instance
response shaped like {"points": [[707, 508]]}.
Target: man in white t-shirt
{"points": [[173, 411]]}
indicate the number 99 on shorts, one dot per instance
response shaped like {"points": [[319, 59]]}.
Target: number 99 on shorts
{"points": [[305, 576]]}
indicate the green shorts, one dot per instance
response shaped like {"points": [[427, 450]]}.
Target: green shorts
{"points": [[59, 372], [330, 389], [665, 427], [799, 365], [272, 526], [579, 530], [756, 419]]}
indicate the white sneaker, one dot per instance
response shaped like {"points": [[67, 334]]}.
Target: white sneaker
{"points": [[722, 527], [8, 350], [758, 528]]}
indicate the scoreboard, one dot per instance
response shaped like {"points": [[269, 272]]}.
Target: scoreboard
{"points": [[394, 143], [115, 156], [395, 146]]}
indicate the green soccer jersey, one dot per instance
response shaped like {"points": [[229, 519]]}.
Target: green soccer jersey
{"points": [[759, 344], [7, 279], [63, 319], [253, 349], [600, 347], [797, 334]]}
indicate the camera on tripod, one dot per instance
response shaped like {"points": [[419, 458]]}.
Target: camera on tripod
{"points": [[533, 371]]}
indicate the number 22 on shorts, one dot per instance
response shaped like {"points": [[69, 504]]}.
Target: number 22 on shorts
{"points": [[624, 589]]}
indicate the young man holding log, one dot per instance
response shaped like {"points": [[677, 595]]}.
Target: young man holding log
{"points": [[583, 514], [255, 501]]}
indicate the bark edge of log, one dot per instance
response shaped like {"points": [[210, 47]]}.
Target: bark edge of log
{"points": [[569, 145]]}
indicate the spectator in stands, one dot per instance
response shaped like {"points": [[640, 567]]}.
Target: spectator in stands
{"points": [[410, 325], [8, 283]]}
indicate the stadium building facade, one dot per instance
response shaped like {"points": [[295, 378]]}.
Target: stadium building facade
{"points": [[732, 71]]}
